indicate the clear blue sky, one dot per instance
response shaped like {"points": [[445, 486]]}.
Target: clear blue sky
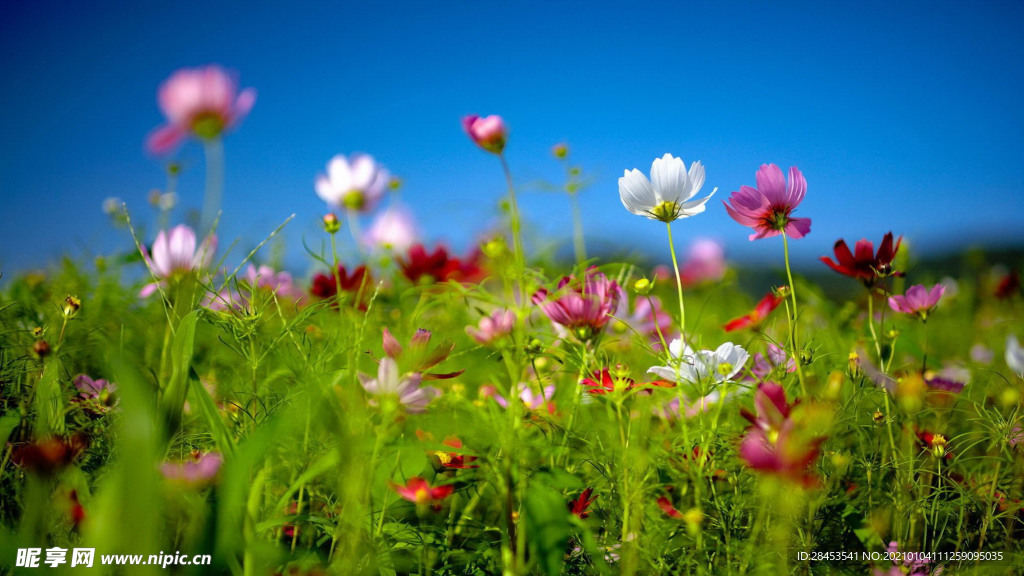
{"points": [[902, 115]]}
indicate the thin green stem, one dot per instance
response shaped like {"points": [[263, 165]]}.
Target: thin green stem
{"points": [[579, 245], [679, 283], [214, 149], [515, 225], [793, 330], [871, 324]]}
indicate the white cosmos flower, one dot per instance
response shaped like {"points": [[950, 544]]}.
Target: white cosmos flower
{"points": [[666, 196], [1015, 355], [354, 183], [718, 366]]}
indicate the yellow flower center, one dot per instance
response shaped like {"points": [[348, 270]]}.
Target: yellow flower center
{"points": [[666, 211]]}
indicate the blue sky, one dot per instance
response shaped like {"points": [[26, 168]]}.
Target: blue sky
{"points": [[902, 116]]}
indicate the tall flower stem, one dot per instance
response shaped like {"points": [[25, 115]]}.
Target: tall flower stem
{"points": [[515, 224], [353, 228], [679, 282], [214, 149], [871, 325], [579, 246], [793, 334]]}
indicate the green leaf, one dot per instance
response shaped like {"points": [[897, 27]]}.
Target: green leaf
{"points": [[547, 526], [174, 394], [7, 425]]}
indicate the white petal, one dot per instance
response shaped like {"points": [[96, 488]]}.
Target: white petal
{"points": [[694, 207], [1015, 355], [340, 174], [668, 176], [326, 192], [696, 176], [665, 372], [636, 193]]}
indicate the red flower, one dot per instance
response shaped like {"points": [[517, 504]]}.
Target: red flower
{"points": [[418, 491], [604, 383], [422, 267], [753, 319], [448, 459], [864, 264], [49, 455], [580, 504], [326, 286], [666, 506]]}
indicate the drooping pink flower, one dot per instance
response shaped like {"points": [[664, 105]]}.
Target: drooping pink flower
{"points": [[754, 318], [201, 102], [768, 208], [420, 492], [918, 300], [394, 230], [583, 308], [772, 408], [354, 183], [176, 253], [419, 357], [198, 471], [773, 444], [494, 327], [488, 132]]}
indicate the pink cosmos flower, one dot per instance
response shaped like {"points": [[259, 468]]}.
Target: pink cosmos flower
{"points": [[201, 102], [918, 300], [356, 183], [647, 318], [419, 356], [199, 471], [488, 132], [90, 389], [494, 327], [394, 229], [263, 278], [768, 207], [776, 357], [583, 308], [175, 253], [705, 262], [391, 385], [526, 394]]}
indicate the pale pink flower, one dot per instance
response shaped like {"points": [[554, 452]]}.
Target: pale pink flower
{"points": [[488, 132], [390, 384], [494, 327], [767, 208], [199, 471], [262, 278], [356, 183], [532, 400], [175, 253], [201, 102], [705, 262], [394, 229], [918, 300]]}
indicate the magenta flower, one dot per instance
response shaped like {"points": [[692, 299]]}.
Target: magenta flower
{"points": [[584, 309], [175, 253], [705, 262], [200, 102], [765, 365], [918, 300], [90, 389], [488, 132], [197, 472], [493, 328], [390, 386], [263, 278], [768, 207]]}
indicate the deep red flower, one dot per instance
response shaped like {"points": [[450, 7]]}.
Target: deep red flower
{"points": [[326, 285], [582, 502], [864, 263], [753, 320], [604, 383], [49, 455], [448, 459], [1008, 286], [421, 267], [666, 506]]}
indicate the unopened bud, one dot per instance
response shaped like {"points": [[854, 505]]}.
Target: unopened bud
{"points": [[331, 223], [782, 292], [494, 248], [939, 443], [853, 365], [643, 286], [806, 356], [41, 349], [395, 183], [878, 417], [37, 332], [560, 150]]}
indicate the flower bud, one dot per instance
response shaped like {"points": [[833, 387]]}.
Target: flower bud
{"points": [[395, 183], [487, 132], [643, 286], [853, 365], [331, 223], [41, 349], [560, 150], [782, 292], [37, 332], [71, 306], [878, 417]]}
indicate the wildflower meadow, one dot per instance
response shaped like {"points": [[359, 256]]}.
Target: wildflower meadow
{"points": [[412, 409]]}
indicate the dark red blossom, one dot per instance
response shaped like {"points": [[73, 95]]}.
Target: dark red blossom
{"points": [[666, 506], [49, 455], [326, 286], [421, 267], [864, 263], [582, 502], [754, 319]]}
